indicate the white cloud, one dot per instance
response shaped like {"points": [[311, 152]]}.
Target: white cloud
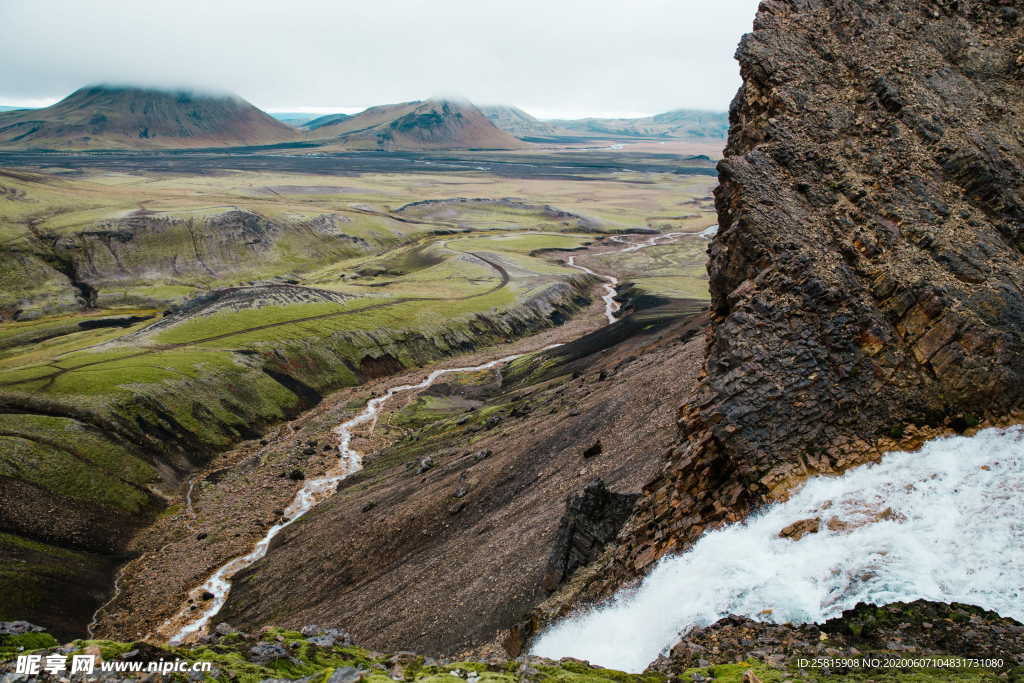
{"points": [[554, 57]]}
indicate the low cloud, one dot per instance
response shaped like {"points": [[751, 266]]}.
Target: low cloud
{"points": [[551, 57]]}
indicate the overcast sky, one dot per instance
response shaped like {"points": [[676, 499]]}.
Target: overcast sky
{"points": [[553, 58]]}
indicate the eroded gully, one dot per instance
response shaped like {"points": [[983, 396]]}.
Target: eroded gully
{"points": [[186, 625]]}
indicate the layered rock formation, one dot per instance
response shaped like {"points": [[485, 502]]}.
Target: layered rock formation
{"points": [[867, 278], [592, 519]]}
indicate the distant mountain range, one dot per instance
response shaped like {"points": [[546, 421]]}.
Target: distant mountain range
{"points": [[293, 118], [109, 117], [321, 121], [684, 124], [517, 122], [688, 124]]}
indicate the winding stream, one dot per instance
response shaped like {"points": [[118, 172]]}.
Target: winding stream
{"points": [[187, 625], [309, 496]]}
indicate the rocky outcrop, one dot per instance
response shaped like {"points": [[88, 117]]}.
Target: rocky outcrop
{"points": [[867, 279], [592, 519], [907, 631]]}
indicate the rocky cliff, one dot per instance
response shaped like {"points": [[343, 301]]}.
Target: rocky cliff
{"points": [[867, 277]]}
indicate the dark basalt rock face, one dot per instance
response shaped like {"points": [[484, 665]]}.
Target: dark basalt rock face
{"points": [[867, 278], [592, 519], [868, 270]]}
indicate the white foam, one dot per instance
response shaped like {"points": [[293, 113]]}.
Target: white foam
{"points": [[956, 534]]}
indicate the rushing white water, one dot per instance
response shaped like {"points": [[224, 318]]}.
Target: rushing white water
{"points": [[710, 232], [186, 624], [945, 523]]}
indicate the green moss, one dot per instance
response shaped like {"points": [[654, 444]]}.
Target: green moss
{"points": [[581, 672], [25, 641], [62, 473], [426, 409]]}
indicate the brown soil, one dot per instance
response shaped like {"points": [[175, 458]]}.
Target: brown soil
{"points": [[440, 561]]}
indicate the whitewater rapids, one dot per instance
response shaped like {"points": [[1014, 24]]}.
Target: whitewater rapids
{"points": [[945, 523]]}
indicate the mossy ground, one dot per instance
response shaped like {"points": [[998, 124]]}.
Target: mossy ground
{"points": [[672, 271], [231, 661]]}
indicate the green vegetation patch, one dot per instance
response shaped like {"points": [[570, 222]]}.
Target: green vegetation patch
{"points": [[58, 471], [16, 644]]}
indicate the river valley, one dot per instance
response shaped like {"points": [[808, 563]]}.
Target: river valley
{"points": [[207, 599]]}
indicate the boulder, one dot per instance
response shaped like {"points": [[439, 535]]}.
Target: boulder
{"points": [[798, 530], [265, 653]]}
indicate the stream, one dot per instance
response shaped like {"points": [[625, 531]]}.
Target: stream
{"points": [[315, 491]]}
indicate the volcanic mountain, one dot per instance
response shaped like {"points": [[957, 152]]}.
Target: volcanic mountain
{"points": [[419, 125], [517, 122], [112, 117]]}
